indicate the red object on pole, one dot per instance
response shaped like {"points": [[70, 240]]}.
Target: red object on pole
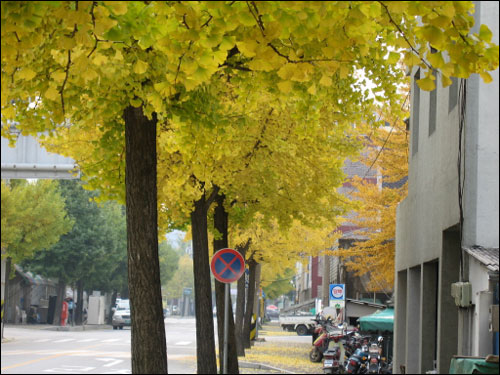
{"points": [[64, 313]]}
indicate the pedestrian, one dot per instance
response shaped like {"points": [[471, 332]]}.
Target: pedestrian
{"points": [[71, 306]]}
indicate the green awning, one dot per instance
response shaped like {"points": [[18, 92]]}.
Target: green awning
{"points": [[472, 366], [381, 320]]}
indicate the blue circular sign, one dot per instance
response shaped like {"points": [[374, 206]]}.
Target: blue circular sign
{"points": [[227, 265]]}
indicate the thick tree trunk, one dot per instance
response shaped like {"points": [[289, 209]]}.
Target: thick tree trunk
{"points": [[149, 350], [221, 224], [61, 294], [249, 307], [79, 305], [240, 306], [205, 348]]}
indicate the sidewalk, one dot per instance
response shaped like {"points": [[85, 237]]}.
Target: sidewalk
{"points": [[276, 354]]}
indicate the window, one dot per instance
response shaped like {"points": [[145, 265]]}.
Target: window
{"points": [[453, 94], [432, 111], [416, 110]]}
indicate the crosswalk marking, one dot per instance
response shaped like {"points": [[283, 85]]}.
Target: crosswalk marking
{"points": [[64, 340], [43, 340], [183, 343]]}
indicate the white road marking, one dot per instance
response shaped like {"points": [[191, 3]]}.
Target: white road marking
{"points": [[183, 343], [88, 340], [111, 340], [64, 340], [113, 361], [42, 340], [66, 369]]}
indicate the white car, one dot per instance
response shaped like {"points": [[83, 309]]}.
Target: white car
{"points": [[121, 316]]}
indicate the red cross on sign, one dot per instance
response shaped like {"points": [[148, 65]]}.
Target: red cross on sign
{"points": [[227, 265]]}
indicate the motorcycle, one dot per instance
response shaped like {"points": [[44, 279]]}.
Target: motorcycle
{"points": [[333, 362], [356, 364], [374, 358]]}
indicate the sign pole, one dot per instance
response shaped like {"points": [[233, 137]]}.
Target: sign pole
{"points": [[226, 325], [227, 266]]}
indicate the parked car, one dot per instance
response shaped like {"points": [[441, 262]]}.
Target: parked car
{"points": [[121, 315], [272, 312]]}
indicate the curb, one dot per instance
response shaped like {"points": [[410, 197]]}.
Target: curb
{"points": [[262, 366], [78, 328]]}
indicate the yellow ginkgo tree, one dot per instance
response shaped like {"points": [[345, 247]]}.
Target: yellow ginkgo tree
{"points": [[117, 70], [387, 153]]}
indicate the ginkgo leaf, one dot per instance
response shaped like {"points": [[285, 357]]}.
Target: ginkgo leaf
{"points": [[52, 93], [285, 86], [58, 76], [312, 89], [426, 84], [140, 67], [393, 58], [485, 33], [118, 7], [446, 81], [486, 77], [436, 60], [26, 74], [325, 81]]}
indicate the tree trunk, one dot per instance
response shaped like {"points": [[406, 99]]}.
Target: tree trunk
{"points": [[205, 348], [256, 305], [5, 293], [240, 306], [113, 302], [79, 305], [149, 350], [61, 294], [249, 307], [221, 224]]}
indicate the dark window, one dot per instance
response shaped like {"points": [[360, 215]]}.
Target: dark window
{"points": [[432, 111], [416, 114], [453, 94]]}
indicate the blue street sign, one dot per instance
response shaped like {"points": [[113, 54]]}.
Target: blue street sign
{"points": [[337, 292], [227, 265]]}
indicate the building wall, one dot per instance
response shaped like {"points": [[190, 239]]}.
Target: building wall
{"points": [[427, 232], [481, 143], [481, 339]]}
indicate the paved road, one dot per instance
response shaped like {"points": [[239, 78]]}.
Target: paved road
{"points": [[36, 351]]}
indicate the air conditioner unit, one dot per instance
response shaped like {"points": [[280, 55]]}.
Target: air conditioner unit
{"points": [[462, 293]]}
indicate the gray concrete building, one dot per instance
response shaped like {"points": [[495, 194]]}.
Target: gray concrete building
{"points": [[430, 247]]}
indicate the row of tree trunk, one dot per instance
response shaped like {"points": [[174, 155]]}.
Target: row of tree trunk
{"points": [[148, 332], [239, 331]]}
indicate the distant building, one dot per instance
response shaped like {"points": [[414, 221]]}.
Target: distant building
{"points": [[429, 321], [309, 279]]}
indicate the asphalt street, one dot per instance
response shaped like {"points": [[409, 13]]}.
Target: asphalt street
{"points": [[103, 351]]}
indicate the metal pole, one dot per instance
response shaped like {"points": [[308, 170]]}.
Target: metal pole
{"points": [[226, 326]]}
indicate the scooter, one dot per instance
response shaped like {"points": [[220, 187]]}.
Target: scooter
{"points": [[320, 344]]}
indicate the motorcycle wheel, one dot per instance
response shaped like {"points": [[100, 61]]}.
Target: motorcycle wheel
{"points": [[315, 355]]}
